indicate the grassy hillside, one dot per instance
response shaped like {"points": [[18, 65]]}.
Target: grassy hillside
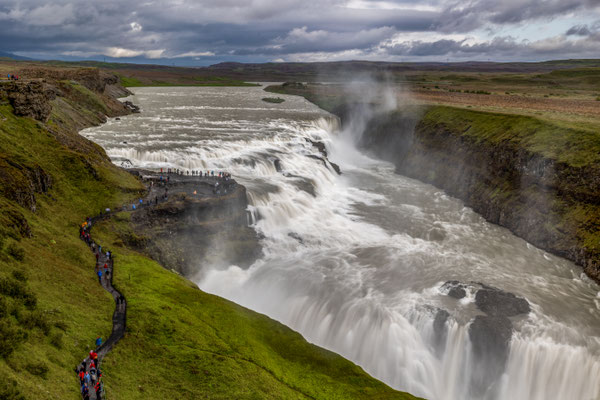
{"points": [[181, 342], [189, 344], [51, 307], [575, 147]]}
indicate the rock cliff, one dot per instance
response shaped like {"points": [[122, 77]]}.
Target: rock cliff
{"points": [[551, 204]]}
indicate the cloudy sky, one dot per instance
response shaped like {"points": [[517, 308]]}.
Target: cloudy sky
{"points": [[200, 32]]}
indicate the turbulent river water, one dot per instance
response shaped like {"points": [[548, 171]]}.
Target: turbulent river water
{"points": [[356, 262]]}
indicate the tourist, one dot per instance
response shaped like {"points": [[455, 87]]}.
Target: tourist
{"points": [[87, 378], [85, 393], [100, 277], [93, 374], [98, 389], [98, 341]]}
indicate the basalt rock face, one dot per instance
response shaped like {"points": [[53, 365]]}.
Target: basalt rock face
{"points": [[190, 231], [21, 183], [531, 195], [30, 98]]}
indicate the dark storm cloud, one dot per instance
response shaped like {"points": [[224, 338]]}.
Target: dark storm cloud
{"points": [[260, 29], [461, 16], [579, 30], [500, 48]]}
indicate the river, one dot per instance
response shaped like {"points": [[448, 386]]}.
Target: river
{"points": [[356, 262]]}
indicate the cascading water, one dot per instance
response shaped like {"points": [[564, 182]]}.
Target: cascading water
{"points": [[356, 262]]}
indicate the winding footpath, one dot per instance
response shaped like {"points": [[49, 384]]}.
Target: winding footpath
{"points": [[157, 193], [105, 264]]}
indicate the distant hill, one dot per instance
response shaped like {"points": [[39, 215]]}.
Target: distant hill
{"points": [[12, 56]]}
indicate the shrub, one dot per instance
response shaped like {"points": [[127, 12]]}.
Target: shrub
{"points": [[10, 337], [35, 319], [3, 307], [38, 369], [62, 325], [56, 340], [18, 290], [19, 275], [9, 390], [15, 251]]}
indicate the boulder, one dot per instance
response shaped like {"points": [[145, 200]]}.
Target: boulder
{"points": [[455, 289], [493, 301]]}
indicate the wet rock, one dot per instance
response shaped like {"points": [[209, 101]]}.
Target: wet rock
{"points": [[294, 235], [439, 323], [436, 234], [495, 301], [336, 168], [277, 164], [319, 145], [440, 330], [455, 289], [131, 107], [490, 338]]}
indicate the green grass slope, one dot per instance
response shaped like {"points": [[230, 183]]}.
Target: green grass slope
{"points": [[180, 343], [575, 147], [184, 343]]}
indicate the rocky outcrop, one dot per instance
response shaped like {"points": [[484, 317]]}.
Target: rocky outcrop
{"points": [[30, 98], [493, 301], [455, 289], [21, 183], [196, 226]]}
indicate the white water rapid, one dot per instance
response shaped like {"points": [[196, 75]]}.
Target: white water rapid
{"points": [[356, 262]]}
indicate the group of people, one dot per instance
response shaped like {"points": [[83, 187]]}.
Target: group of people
{"points": [[90, 376], [221, 184], [13, 77], [200, 173]]}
